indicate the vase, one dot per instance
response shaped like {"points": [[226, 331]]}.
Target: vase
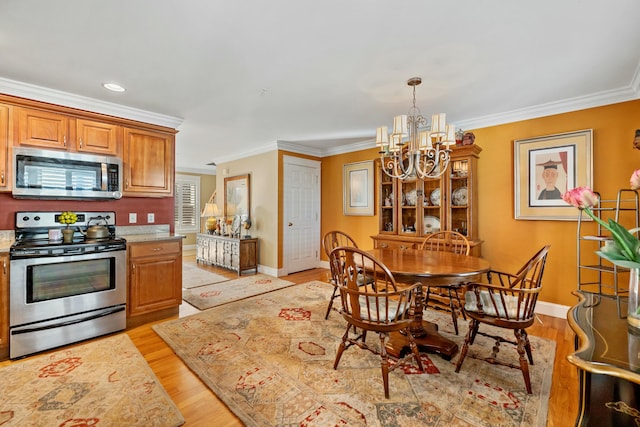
{"points": [[633, 311], [67, 235]]}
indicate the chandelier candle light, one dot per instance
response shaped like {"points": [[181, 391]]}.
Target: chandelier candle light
{"points": [[411, 150]]}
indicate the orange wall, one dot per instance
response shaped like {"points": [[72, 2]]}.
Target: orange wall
{"points": [[508, 243]]}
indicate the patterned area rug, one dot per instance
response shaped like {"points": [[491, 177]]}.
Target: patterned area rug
{"points": [[205, 297], [192, 276], [270, 359], [102, 383]]}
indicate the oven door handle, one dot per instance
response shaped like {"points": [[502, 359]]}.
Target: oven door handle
{"points": [[70, 322]]}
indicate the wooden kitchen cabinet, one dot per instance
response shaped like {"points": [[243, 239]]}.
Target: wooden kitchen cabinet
{"points": [[148, 163], [411, 209], [45, 129], [155, 276], [4, 306], [97, 137], [42, 129], [4, 147], [227, 252]]}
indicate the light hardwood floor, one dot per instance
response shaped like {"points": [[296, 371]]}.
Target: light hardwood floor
{"points": [[201, 407]]}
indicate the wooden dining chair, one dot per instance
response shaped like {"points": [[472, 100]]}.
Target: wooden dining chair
{"points": [[508, 304], [377, 306], [331, 240], [446, 297]]}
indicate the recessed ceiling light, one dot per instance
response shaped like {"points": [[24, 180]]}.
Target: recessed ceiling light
{"points": [[113, 87]]}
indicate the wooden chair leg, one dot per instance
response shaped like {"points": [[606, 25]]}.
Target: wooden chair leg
{"points": [[468, 339], [333, 296], [524, 365], [414, 350], [455, 292], [341, 347], [527, 346], [384, 364], [454, 311]]}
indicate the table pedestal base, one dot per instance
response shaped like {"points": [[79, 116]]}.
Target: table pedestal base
{"points": [[430, 341]]}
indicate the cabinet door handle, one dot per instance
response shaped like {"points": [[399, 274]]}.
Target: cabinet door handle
{"points": [[126, 183], [4, 267], [156, 249], [64, 140], [384, 245], [2, 177], [80, 142], [290, 224]]}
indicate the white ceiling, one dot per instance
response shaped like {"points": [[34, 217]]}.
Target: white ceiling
{"points": [[244, 76]]}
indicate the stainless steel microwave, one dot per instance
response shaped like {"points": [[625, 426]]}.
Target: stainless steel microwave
{"points": [[48, 174]]}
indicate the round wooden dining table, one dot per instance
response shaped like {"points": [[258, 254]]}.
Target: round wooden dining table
{"points": [[428, 268]]}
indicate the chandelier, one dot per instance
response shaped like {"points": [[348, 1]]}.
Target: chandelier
{"points": [[411, 150]]}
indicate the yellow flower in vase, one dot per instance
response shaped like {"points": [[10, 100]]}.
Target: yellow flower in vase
{"points": [[67, 218]]}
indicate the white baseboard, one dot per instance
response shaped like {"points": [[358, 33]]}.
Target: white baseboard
{"points": [[552, 309]]}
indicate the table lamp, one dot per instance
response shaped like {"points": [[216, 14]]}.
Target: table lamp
{"points": [[210, 212]]}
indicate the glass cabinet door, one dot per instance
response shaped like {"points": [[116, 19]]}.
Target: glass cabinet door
{"points": [[459, 218], [409, 208], [432, 206], [387, 203]]}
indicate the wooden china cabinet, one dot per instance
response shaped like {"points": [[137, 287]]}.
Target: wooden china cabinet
{"points": [[411, 209]]}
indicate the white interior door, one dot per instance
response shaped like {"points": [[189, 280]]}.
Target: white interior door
{"points": [[301, 228]]}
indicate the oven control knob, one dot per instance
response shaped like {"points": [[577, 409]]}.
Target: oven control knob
{"points": [[36, 218], [117, 195], [25, 218]]}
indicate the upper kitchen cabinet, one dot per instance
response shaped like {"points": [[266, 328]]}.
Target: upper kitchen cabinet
{"points": [[46, 129], [4, 147], [148, 163], [42, 129], [97, 137]]}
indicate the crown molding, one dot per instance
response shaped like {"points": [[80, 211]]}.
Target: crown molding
{"points": [[300, 149], [253, 152], [39, 93], [635, 81], [597, 99], [200, 171]]}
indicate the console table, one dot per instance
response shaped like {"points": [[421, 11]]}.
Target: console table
{"points": [[227, 252], [608, 359]]}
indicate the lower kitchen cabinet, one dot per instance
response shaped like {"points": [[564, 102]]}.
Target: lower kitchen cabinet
{"points": [[4, 306], [155, 276], [227, 252]]}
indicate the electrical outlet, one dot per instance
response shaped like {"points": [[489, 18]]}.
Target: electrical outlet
{"points": [[133, 218], [151, 218]]}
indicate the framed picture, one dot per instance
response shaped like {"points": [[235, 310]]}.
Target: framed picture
{"points": [[545, 168], [357, 182]]}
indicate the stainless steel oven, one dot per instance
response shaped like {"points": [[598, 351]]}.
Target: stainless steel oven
{"points": [[62, 293]]}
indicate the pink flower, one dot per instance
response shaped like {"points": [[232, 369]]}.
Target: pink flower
{"points": [[635, 180], [581, 197]]}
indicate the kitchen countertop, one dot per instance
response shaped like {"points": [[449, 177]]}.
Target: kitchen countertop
{"points": [[149, 237], [131, 234]]}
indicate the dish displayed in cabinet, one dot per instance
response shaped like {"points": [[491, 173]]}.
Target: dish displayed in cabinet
{"points": [[431, 224], [459, 196], [411, 198], [435, 197]]}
